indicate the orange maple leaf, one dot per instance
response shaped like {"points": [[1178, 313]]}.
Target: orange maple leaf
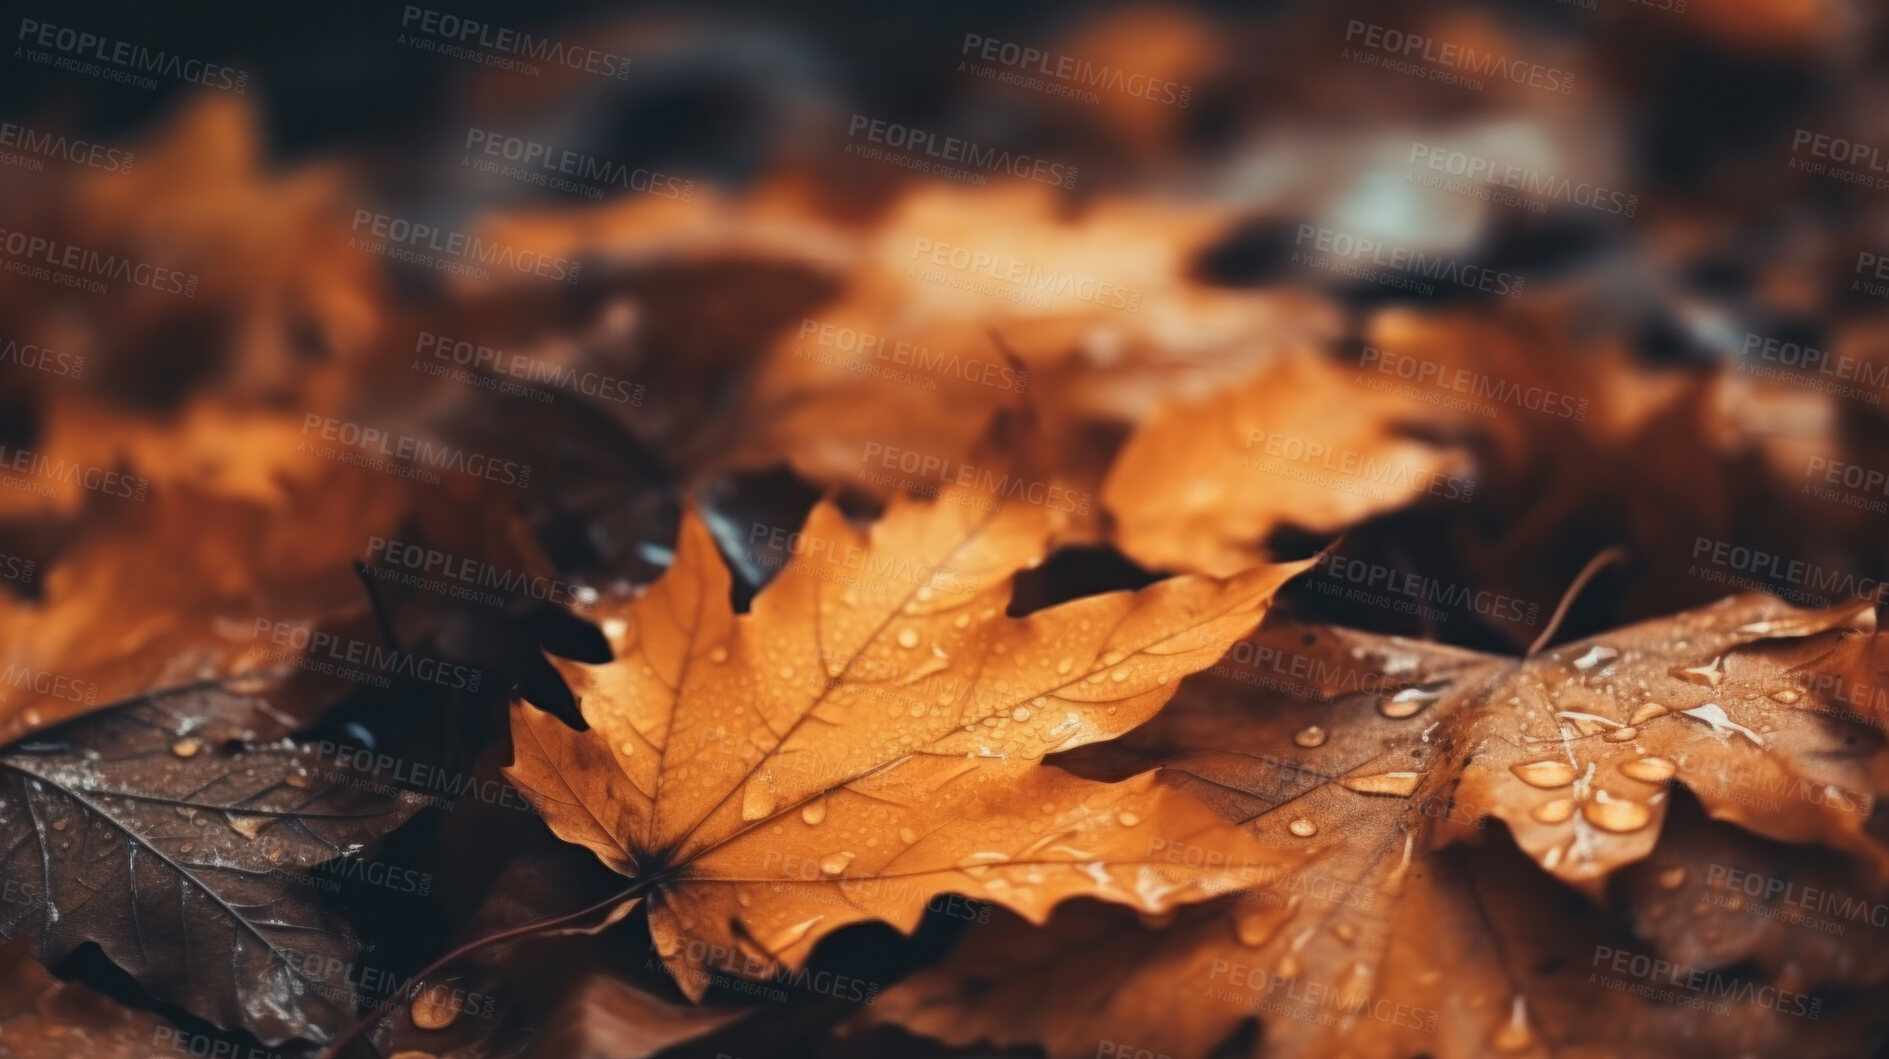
{"points": [[869, 737]]}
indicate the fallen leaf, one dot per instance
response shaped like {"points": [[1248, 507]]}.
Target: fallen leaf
{"points": [[172, 594], [869, 736], [179, 836], [1202, 484], [1371, 755]]}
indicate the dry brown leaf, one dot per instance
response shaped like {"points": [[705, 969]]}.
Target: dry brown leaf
{"points": [[869, 736], [165, 830], [1201, 485], [1369, 755]]}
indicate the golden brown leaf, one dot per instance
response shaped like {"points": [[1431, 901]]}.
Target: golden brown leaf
{"points": [[1202, 484], [1370, 755], [170, 592], [870, 735]]}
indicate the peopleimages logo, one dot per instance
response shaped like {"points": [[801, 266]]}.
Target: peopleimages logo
{"points": [[1365, 258], [70, 265], [562, 169], [504, 48], [333, 655], [129, 60], [1482, 176], [531, 370], [366, 443], [1080, 75], [53, 145], [408, 236], [928, 151], [39, 358], [1461, 58]]}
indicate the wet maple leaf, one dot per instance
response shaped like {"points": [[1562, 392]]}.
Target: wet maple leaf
{"points": [[1372, 757], [869, 736], [1202, 484]]}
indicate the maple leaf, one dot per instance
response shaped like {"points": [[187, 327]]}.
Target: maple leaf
{"points": [[1370, 756], [171, 833], [868, 737], [42, 1017], [1202, 484]]}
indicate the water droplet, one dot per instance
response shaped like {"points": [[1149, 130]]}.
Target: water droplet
{"points": [[814, 812], [434, 1009], [1545, 774], [187, 747], [787, 672], [1785, 696], [627, 748], [1713, 714], [1021, 713], [1127, 819], [1595, 656], [719, 654], [1615, 815], [1558, 811], [907, 835], [614, 628], [1119, 675], [1310, 736], [1587, 723], [835, 863], [1400, 784], [1063, 667], [757, 799], [1622, 735], [1346, 933], [1673, 878], [908, 638], [1407, 703], [1647, 712], [1711, 674], [1304, 829], [1648, 769], [59, 824]]}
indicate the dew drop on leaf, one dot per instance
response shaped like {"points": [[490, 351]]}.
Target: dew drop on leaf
{"points": [[1648, 769], [1546, 774], [1555, 812], [1615, 815], [1400, 784]]}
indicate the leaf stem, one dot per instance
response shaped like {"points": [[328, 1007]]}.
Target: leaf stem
{"points": [[522, 930], [1594, 566]]}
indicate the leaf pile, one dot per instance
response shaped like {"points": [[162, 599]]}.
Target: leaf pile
{"points": [[829, 603]]}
